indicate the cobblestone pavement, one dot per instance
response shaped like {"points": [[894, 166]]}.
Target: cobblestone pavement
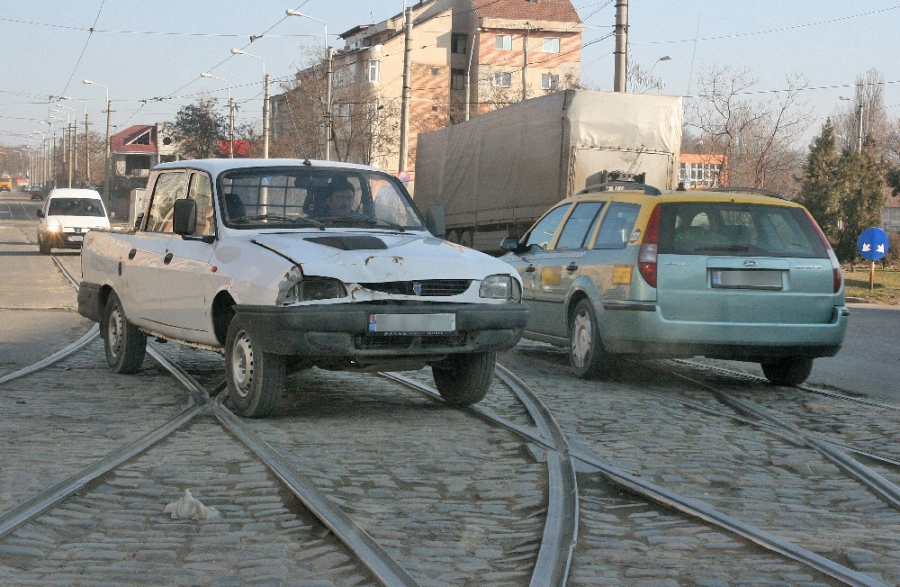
{"points": [[455, 499]]}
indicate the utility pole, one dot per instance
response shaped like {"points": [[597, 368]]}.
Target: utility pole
{"points": [[87, 151], [266, 121], [525, 64], [329, 75], [621, 51], [404, 104], [230, 127], [106, 193], [469, 74], [859, 126]]}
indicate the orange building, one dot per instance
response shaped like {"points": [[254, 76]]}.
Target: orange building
{"points": [[697, 171]]}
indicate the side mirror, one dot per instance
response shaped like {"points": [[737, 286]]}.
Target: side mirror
{"points": [[510, 244], [40, 213], [184, 217], [436, 220], [139, 221]]}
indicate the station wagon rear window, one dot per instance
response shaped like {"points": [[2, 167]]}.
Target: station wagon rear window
{"points": [[727, 228]]}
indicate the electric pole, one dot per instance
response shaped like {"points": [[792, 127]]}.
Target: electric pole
{"points": [[621, 52], [266, 121], [404, 103]]}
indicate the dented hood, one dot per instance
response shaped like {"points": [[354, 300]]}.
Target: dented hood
{"points": [[367, 257]]}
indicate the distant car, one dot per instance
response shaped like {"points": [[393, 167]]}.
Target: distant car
{"points": [[5, 183], [36, 193], [623, 269], [66, 216]]}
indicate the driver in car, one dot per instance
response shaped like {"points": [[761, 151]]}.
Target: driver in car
{"points": [[340, 199]]}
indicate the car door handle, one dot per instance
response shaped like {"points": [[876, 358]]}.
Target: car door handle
{"points": [[572, 267], [529, 269], [131, 254], [168, 258]]}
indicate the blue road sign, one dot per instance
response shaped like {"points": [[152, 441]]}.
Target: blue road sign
{"points": [[873, 244]]}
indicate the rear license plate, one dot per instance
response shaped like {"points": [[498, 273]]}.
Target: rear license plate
{"points": [[737, 279], [75, 239], [388, 324]]}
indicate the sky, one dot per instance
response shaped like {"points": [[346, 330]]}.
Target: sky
{"points": [[150, 53]]}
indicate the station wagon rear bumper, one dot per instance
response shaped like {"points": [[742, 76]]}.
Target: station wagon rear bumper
{"points": [[644, 331], [341, 330]]}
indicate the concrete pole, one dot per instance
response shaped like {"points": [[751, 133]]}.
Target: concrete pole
{"points": [[87, 151], [266, 121], [621, 51], [404, 103], [106, 179], [525, 63], [70, 147], [231, 128], [859, 127], [329, 75], [75, 149], [469, 76]]}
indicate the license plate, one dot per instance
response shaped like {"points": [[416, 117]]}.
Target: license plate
{"points": [[411, 323], [75, 239], [737, 279]]}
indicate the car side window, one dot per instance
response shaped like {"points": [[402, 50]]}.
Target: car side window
{"points": [[169, 187], [615, 231], [543, 232], [575, 232], [200, 190]]}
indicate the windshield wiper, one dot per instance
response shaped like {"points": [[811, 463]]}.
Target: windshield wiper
{"points": [[280, 219], [367, 220]]}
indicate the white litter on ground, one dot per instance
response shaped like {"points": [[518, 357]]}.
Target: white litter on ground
{"points": [[189, 508]]}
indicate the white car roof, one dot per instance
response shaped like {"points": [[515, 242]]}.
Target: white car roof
{"points": [[73, 193], [216, 166]]}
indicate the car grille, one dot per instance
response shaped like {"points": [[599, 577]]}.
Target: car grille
{"points": [[376, 343], [430, 287]]}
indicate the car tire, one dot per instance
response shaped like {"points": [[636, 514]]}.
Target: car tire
{"points": [[255, 379], [463, 380], [588, 358], [43, 247], [790, 371], [125, 345]]}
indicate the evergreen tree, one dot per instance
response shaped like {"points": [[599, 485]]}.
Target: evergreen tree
{"points": [[198, 128], [820, 191], [862, 179]]}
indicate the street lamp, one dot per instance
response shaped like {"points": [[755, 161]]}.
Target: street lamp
{"points": [[265, 101], [329, 74], [859, 118], [231, 113], [108, 124], [655, 63]]}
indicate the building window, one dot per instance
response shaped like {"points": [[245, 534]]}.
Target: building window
{"points": [[502, 79], [434, 72], [532, 1], [374, 70], [457, 79], [549, 81], [503, 42], [551, 46], [458, 43]]}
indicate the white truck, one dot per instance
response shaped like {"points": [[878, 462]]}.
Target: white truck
{"points": [[285, 264], [499, 172]]}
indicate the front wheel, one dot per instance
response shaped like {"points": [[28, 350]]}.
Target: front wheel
{"points": [[589, 360], [463, 380], [43, 246], [255, 378], [789, 371], [125, 345]]}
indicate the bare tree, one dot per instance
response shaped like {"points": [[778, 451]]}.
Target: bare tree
{"points": [[865, 115], [639, 81], [759, 137]]}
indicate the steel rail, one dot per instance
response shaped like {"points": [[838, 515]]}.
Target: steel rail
{"points": [[68, 351], [888, 491], [687, 506], [561, 526]]}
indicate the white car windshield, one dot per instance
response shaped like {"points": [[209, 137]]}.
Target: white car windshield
{"points": [[294, 197]]}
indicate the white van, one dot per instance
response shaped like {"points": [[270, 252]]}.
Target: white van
{"points": [[67, 215]]}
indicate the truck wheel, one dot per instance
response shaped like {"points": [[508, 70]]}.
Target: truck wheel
{"points": [[789, 371], [463, 380], [44, 247], [466, 238], [255, 379], [589, 360], [125, 345], [453, 236]]}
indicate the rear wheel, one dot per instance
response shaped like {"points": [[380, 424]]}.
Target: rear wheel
{"points": [[589, 360], [466, 238], [125, 345], [789, 371], [255, 378], [44, 247], [463, 380]]}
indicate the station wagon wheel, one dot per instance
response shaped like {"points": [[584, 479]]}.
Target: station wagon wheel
{"points": [[463, 380], [125, 345], [43, 246], [255, 378], [788, 371], [589, 360]]}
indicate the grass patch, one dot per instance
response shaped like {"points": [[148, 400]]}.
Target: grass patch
{"points": [[887, 284]]}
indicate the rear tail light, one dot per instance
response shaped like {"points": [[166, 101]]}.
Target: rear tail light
{"points": [[648, 256], [838, 276]]}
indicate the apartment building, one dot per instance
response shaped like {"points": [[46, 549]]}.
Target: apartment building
{"points": [[467, 57]]}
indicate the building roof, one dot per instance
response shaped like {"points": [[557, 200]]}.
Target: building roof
{"points": [[552, 10], [124, 141]]}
